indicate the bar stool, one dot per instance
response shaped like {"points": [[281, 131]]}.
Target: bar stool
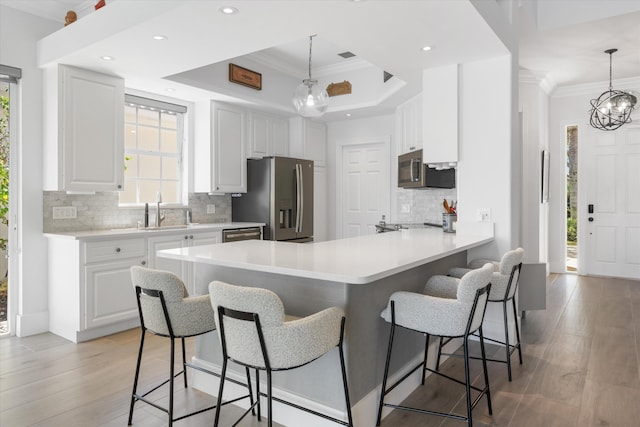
{"points": [[254, 333], [504, 283], [455, 317], [166, 310]]}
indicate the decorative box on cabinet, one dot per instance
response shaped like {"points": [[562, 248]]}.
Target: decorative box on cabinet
{"points": [[268, 135], [90, 289], [84, 130]]}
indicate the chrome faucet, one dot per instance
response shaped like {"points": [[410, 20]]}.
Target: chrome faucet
{"points": [[159, 218]]}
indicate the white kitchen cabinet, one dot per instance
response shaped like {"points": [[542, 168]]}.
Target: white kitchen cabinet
{"points": [[308, 140], [409, 125], [184, 270], [90, 288], [84, 137], [268, 135], [440, 115], [229, 161]]}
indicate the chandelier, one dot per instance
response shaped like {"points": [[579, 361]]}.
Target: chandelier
{"points": [[309, 99], [613, 108]]}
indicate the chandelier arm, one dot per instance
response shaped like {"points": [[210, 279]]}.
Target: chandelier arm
{"points": [[310, 43]]}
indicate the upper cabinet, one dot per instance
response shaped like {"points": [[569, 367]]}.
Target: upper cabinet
{"points": [[308, 140], [268, 135], [84, 130], [409, 125], [229, 163], [440, 114]]}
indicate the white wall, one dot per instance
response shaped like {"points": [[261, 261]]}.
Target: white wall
{"points": [[534, 110], [568, 106], [19, 33], [352, 130], [485, 170]]}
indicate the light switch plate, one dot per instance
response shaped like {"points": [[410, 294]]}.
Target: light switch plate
{"points": [[211, 209], [406, 208], [484, 214]]}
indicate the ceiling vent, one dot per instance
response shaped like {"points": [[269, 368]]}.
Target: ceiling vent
{"points": [[347, 54]]}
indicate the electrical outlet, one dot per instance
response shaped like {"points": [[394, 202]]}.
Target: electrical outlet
{"points": [[65, 212], [484, 214], [211, 209], [406, 208]]}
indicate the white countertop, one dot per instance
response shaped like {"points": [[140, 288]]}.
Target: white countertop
{"points": [[143, 232], [361, 259]]}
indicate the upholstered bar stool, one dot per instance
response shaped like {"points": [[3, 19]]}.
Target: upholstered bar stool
{"points": [[456, 317], [504, 283], [166, 310], [254, 332]]}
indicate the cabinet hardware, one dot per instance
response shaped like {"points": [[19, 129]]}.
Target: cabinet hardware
{"points": [[117, 250]]}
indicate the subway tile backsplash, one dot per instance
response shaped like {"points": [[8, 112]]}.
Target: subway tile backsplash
{"points": [[425, 204], [100, 211]]}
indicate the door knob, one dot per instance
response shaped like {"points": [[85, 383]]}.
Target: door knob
{"points": [[590, 219]]}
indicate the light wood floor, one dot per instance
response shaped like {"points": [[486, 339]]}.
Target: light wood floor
{"points": [[581, 368]]}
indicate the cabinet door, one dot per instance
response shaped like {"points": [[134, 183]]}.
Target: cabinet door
{"points": [[91, 131], [158, 243], [229, 154], [258, 136], [109, 295], [440, 124], [409, 120], [279, 137]]}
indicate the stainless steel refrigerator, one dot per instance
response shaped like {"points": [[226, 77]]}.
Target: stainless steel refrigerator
{"points": [[280, 194]]}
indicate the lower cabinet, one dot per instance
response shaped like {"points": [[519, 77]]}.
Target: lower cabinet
{"points": [[90, 289], [182, 269]]}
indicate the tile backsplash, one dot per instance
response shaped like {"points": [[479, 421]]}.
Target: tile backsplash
{"points": [[425, 204], [100, 211]]}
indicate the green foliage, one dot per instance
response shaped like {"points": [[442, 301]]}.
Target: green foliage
{"points": [[572, 230], [4, 162]]}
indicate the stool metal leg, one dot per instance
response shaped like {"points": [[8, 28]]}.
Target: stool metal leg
{"points": [[439, 354], [484, 368], [424, 361], [506, 338], [135, 378], [171, 369], [344, 375], [184, 364], [515, 318], [386, 368], [467, 381], [223, 375]]}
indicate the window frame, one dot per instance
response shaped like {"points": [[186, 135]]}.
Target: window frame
{"points": [[180, 111]]}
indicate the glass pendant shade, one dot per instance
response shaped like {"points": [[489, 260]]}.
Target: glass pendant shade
{"points": [[309, 99], [612, 108]]}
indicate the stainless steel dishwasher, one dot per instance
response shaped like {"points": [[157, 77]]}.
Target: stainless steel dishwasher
{"points": [[238, 234]]}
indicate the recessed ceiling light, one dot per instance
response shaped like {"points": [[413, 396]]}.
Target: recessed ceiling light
{"points": [[228, 10], [170, 89], [107, 58], [426, 48], [160, 37]]}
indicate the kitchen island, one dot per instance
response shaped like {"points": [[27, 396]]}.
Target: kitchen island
{"points": [[358, 274]]}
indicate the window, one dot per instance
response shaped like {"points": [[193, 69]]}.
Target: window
{"points": [[153, 141]]}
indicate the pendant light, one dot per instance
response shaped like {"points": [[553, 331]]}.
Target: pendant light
{"points": [[613, 108], [309, 99]]}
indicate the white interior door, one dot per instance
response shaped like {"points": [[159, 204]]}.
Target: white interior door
{"points": [[364, 186], [612, 207]]}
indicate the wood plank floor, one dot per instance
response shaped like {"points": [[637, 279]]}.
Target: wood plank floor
{"points": [[581, 368]]}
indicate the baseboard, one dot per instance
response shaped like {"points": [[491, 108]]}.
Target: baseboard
{"points": [[32, 324]]}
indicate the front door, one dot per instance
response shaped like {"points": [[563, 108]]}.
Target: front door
{"points": [[364, 188], [612, 207]]}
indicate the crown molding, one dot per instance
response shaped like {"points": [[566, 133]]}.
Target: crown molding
{"points": [[631, 83], [538, 78]]}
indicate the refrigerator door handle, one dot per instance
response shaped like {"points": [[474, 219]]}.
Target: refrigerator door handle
{"points": [[299, 198]]}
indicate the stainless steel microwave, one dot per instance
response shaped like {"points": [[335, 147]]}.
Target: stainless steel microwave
{"points": [[413, 173]]}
